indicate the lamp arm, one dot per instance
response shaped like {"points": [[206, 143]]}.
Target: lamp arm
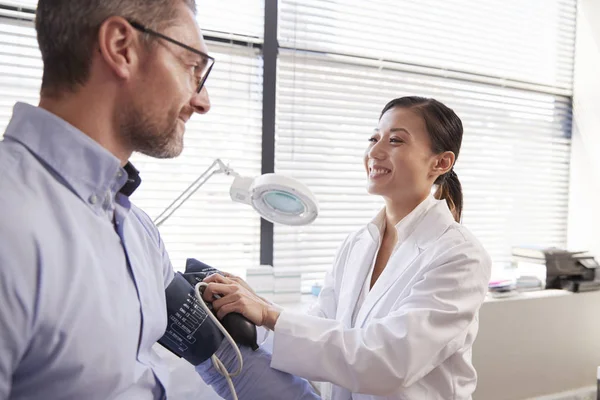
{"points": [[217, 167]]}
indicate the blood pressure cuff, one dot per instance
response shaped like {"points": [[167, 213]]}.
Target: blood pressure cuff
{"points": [[239, 327], [198, 269], [190, 334]]}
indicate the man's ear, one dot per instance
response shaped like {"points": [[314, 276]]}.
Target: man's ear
{"points": [[119, 46], [443, 163]]}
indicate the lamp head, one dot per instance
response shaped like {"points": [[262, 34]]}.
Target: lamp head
{"points": [[276, 198]]}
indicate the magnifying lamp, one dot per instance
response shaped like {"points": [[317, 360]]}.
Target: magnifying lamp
{"points": [[276, 198]]}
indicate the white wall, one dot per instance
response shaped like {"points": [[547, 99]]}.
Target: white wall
{"points": [[584, 207]]}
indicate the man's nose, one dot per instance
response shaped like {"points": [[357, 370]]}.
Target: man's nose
{"points": [[201, 101]]}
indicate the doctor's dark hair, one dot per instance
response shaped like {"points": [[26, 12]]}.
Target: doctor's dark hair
{"points": [[445, 131], [67, 33]]}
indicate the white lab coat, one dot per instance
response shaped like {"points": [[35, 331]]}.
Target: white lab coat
{"points": [[413, 334]]}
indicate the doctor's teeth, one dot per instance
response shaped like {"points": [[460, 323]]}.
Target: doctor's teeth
{"points": [[378, 171]]}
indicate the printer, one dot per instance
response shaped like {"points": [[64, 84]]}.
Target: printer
{"points": [[576, 271]]}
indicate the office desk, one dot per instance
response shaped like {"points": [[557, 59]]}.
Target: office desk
{"points": [[537, 344]]}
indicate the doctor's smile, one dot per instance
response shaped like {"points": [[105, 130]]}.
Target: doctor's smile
{"points": [[376, 171]]}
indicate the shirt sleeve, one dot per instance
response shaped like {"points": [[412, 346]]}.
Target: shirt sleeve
{"points": [[257, 380], [19, 274], [152, 230], [168, 272]]}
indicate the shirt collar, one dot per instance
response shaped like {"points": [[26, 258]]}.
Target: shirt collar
{"points": [[133, 180], [405, 226], [89, 169]]}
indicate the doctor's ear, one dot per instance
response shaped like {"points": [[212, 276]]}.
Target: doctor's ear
{"points": [[443, 163]]}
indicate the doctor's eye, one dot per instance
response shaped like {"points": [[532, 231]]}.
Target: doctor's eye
{"points": [[396, 140], [373, 139]]}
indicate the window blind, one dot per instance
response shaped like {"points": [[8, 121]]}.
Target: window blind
{"points": [[530, 41], [509, 83], [232, 18], [20, 67], [31, 4], [18, 9]]}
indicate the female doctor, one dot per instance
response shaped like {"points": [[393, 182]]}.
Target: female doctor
{"points": [[398, 313]]}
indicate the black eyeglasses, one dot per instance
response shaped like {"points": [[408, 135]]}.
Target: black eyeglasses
{"points": [[201, 72]]}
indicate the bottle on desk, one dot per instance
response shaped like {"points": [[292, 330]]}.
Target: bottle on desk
{"points": [[315, 289]]}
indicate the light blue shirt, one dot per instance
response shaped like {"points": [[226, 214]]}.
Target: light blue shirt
{"points": [[81, 298], [82, 276]]}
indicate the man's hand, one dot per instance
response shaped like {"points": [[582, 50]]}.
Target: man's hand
{"points": [[237, 296]]}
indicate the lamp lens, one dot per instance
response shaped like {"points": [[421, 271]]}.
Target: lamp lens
{"points": [[284, 202]]}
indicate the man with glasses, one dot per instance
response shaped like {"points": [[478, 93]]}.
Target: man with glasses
{"points": [[82, 270]]}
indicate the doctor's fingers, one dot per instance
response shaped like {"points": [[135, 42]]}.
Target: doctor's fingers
{"points": [[249, 307], [232, 298], [229, 275], [220, 289], [228, 279], [229, 308], [239, 280], [218, 278], [242, 300]]}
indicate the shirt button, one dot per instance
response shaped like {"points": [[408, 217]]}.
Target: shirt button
{"points": [[120, 174], [93, 199]]}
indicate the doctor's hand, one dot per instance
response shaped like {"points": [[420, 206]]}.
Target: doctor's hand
{"points": [[236, 279], [238, 297]]}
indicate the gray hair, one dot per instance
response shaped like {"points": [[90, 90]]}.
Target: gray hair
{"points": [[67, 31]]}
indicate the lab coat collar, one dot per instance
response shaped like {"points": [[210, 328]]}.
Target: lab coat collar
{"points": [[427, 230], [405, 226], [433, 225]]}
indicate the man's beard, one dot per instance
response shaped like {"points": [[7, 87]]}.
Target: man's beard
{"points": [[148, 136]]}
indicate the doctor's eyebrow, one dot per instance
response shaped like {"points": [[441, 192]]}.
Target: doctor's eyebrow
{"points": [[393, 130]]}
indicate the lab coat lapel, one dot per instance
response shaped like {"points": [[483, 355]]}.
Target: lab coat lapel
{"points": [[427, 231], [402, 258], [355, 272]]}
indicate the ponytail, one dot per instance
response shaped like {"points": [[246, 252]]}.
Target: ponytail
{"points": [[450, 189]]}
